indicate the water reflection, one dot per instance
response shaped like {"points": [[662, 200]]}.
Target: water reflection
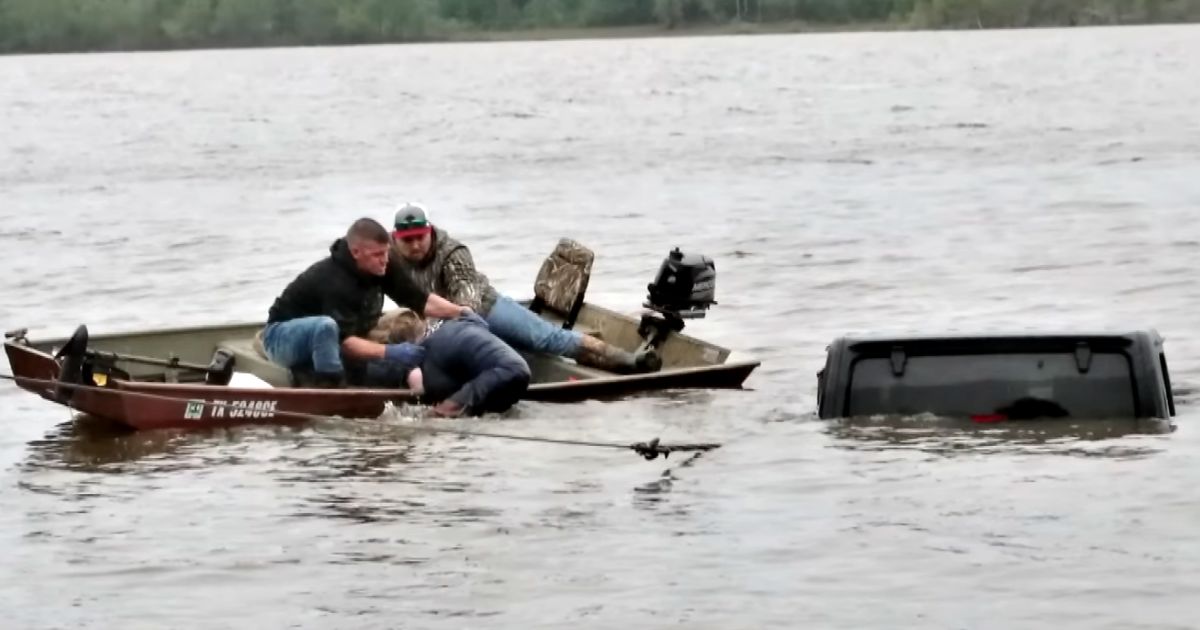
{"points": [[1110, 438], [335, 449], [90, 444], [323, 450]]}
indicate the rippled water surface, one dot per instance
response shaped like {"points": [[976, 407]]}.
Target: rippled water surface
{"points": [[843, 184]]}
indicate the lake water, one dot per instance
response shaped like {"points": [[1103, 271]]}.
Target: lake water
{"points": [[843, 183]]}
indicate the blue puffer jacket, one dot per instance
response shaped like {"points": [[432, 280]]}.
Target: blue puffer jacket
{"points": [[467, 364]]}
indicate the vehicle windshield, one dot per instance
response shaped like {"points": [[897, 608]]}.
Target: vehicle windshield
{"points": [[1011, 385]]}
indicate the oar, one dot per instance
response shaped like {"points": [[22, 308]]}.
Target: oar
{"points": [[173, 362], [78, 342], [218, 372]]}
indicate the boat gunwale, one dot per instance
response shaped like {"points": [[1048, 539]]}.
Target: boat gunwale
{"points": [[148, 332], [614, 378], [40, 348]]}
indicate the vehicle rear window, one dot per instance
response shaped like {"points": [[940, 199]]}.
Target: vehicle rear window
{"points": [[1013, 385]]}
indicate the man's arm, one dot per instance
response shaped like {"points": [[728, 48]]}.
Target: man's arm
{"points": [[462, 280], [360, 348], [409, 354], [440, 307], [404, 291]]}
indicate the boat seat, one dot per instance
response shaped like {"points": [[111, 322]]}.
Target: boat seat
{"points": [[249, 358], [562, 281]]}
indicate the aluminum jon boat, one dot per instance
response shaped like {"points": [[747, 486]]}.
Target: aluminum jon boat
{"points": [[213, 376]]}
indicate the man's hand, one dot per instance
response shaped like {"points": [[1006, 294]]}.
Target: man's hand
{"points": [[410, 355], [416, 381], [441, 308]]}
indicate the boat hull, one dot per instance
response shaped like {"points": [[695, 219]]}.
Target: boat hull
{"points": [[141, 405], [145, 405]]}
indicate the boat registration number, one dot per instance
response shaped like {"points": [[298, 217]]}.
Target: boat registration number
{"points": [[230, 409]]}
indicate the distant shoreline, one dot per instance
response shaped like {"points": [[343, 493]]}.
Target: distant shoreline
{"points": [[539, 34], [651, 31], [581, 33]]}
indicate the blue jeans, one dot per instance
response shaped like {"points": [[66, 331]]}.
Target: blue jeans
{"points": [[311, 343], [467, 364], [305, 343], [523, 329]]}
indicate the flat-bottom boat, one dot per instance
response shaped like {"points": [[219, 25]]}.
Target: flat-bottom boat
{"points": [[197, 376]]}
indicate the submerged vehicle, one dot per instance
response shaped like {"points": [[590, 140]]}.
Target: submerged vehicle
{"points": [[196, 377], [996, 377]]}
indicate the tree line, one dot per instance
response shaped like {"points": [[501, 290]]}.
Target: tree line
{"points": [[85, 25]]}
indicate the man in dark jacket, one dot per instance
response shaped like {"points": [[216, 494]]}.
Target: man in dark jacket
{"points": [[467, 370], [317, 327]]}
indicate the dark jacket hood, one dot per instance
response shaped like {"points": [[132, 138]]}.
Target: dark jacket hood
{"points": [[340, 252]]}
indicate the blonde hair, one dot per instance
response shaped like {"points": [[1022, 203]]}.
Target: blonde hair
{"points": [[398, 326]]}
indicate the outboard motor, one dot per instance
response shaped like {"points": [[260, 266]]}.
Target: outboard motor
{"points": [[71, 365], [686, 285], [685, 288]]}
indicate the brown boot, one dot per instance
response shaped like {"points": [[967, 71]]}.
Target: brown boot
{"points": [[600, 355]]}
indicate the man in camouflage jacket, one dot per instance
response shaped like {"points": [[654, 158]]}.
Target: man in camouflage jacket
{"points": [[443, 266]]}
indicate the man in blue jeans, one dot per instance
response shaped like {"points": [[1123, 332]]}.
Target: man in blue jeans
{"points": [[318, 326], [441, 265]]}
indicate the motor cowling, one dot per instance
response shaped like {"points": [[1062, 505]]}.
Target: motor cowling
{"points": [[686, 285]]}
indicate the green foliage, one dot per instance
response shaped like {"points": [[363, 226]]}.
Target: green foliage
{"points": [[62, 25], [1026, 13], [190, 22], [618, 12], [547, 13], [242, 22]]}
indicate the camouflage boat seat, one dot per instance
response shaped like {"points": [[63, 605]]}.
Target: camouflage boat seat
{"points": [[562, 282], [249, 356]]}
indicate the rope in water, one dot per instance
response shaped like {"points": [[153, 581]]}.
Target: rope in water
{"points": [[650, 450]]}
